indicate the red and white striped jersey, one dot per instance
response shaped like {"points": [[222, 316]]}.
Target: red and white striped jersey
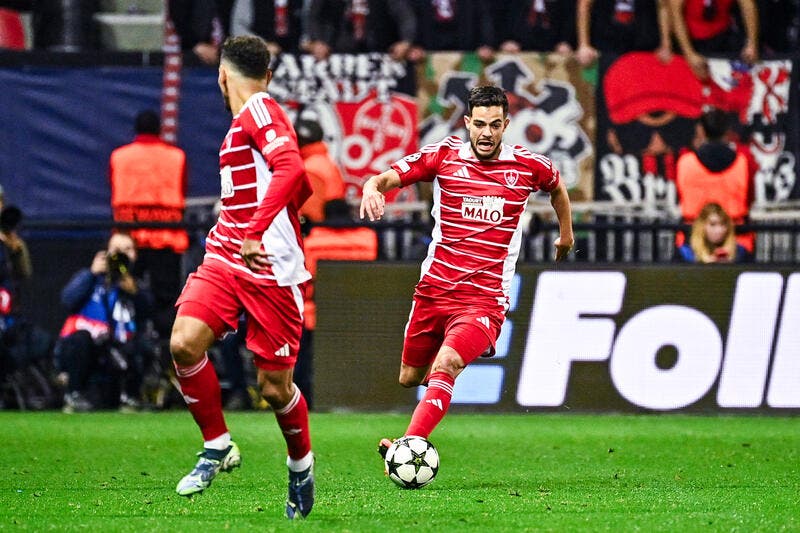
{"points": [[476, 210], [257, 203]]}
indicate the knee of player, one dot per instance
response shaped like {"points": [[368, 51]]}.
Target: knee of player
{"points": [[411, 376], [409, 381], [448, 360], [277, 396], [181, 349]]}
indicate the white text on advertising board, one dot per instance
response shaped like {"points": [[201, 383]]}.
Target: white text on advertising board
{"points": [[757, 360]]}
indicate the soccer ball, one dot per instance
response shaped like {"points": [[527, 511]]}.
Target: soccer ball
{"points": [[412, 462]]}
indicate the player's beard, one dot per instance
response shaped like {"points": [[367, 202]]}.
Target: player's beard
{"points": [[480, 155]]}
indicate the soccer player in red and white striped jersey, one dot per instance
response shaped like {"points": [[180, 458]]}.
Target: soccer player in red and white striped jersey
{"points": [[254, 265], [480, 190]]}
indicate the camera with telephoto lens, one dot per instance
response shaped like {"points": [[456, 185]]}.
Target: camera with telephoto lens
{"points": [[117, 265]]}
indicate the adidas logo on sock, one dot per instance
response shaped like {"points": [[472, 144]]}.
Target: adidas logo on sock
{"points": [[283, 351], [435, 402]]}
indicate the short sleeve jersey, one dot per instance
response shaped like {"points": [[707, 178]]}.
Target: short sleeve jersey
{"points": [[477, 208], [259, 133]]}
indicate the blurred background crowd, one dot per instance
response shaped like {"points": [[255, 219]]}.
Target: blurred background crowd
{"points": [[407, 29], [657, 83]]}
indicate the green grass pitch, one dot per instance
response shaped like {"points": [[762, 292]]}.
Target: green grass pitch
{"points": [[532, 472]]}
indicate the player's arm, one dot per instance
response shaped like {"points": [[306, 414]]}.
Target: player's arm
{"points": [[373, 200], [559, 199], [278, 146], [287, 174]]}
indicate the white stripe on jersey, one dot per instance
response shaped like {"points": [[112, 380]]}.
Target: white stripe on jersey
{"points": [[473, 227], [540, 158], [520, 172], [436, 232], [231, 224], [485, 171], [259, 111], [236, 266], [469, 180], [476, 256], [220, 237], [234, 149], [240, 206], [245, 186], [451, 142], [243, 167], [478, 285], [263, 175], [467, 270], [488, 243]]}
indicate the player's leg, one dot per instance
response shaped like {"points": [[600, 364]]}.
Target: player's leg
{"points": [[421, 342], [291, 413], [196, 328], [274, 327], [464, 342]]}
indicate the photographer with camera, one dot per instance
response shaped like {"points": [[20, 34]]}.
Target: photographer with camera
{"points": [[102, 337]]}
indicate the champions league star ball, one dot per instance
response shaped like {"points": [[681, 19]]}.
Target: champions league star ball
{"points": [[412, 462]]}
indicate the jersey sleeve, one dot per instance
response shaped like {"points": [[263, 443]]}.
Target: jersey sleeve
{"points": [[269, 128], [419, 166], [546, 174]]}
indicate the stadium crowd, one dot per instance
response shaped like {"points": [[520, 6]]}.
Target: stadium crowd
{"points": [[409, 30]]}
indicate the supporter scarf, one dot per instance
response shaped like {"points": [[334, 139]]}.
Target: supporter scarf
{"points": [[358, 18], [624, 11], [445, 10], [281, 18]]}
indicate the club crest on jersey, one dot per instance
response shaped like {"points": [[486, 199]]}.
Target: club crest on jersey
{"points": [[483, 208], [511, 177]]}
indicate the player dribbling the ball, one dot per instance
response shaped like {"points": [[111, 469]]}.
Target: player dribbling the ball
{"points": [[481, 189]]}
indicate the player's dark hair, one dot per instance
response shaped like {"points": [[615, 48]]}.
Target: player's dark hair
{"points": [[715, 122], [148, 121], [487, 96], [248, 54]]}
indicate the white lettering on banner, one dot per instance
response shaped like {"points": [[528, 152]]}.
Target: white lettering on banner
{"points": [[559, 335], [633, 366], [750, 334], [784, 385]]}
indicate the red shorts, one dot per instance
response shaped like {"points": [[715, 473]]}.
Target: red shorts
{"points": [[274, 314], [471, 331]]}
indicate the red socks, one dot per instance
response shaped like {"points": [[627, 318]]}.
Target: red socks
{"points": [[201, 392], [293, 421], [433, 406]]}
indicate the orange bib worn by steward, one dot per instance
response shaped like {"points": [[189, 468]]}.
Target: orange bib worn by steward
{"points": [[698, 186], [148, 184]]}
